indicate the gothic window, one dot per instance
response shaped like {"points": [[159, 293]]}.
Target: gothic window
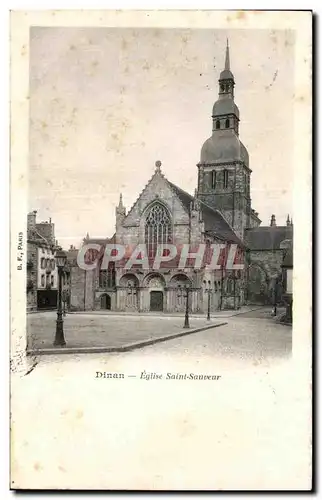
{"points": [[52, 280], [158, 228], [217, 124], [107, 276], [245, 181], [230, 286], [43, 263], [42, 280], [225, 178], [227, 123], [213, 179]]}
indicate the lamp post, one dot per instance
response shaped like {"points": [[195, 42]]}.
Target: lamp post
{"points": [[186, 317], [208, 290], [61, 259]]}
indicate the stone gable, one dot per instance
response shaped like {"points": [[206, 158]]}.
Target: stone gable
{"points": [[157, 188]]}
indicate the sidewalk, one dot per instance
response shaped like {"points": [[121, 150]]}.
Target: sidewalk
{"points": [[216, 314], [89, 333]]}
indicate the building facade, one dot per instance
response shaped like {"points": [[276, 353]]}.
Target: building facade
{"points": [[220, 211], [42, 275]]}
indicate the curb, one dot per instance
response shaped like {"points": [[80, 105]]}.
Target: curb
{"points": [[124, 348]]}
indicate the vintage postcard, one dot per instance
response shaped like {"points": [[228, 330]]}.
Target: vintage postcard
{"points": [[160, 250]]}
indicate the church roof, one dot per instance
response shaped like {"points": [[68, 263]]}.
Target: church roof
{"points": [[225, 106], [213, 219], [267, 237], [222, 146]]}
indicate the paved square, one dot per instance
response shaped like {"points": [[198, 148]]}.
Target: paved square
{"points": [[88, 330]]}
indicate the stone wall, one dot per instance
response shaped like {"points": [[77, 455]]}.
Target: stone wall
{"points": [[82, 289], [263, 266]]}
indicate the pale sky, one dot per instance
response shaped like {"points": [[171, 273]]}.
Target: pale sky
{"points": [[106, 103]]}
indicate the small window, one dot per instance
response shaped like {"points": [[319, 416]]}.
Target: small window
{"points": [[43, 250], [217, 124], [43, 263], [222, 87], [52, 280], [42, 280], [213, 179], [227, 123], [225, 178]]}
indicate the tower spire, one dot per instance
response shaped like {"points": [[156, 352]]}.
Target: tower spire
{"points": [[121, 201], [227, 60]]}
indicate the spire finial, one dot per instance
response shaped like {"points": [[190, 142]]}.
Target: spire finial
{"points": [[288, 222], [121, 201], [158, 166], [227, 61]]}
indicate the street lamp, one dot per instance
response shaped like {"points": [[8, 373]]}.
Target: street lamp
{"points": [[61, 259], [208, 290], [186, 317]]}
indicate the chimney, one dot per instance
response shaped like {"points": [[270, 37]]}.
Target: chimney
{"points": [[273, 221]]}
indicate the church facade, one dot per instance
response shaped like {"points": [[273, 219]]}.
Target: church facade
{"points": [[219, 212]]}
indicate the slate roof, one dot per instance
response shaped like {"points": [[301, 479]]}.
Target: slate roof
{"points": [[213, 219], [267, 237]]}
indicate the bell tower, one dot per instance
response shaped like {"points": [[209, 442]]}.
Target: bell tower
{"points": [[223, 170]]}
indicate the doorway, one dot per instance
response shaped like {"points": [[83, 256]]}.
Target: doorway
{"points": [[156, 301], [105, 302]]}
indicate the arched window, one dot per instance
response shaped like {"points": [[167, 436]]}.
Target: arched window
{"points": [[217, 124], [227, 123], [158, 228], [225, 178], [107, 276]]}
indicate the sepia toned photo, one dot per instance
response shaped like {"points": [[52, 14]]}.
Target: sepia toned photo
{"points": [[161, 201], [94, 88]]}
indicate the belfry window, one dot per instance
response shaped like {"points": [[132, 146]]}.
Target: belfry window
{"points": [[217, 124], [225, 178], [227, 123], [213, 179], [158, 228]]}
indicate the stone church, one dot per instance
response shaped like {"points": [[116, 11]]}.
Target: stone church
{"points": [[220, 211]]}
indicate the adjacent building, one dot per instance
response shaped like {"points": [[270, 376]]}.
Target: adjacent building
{"points": [[42, 277]]}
